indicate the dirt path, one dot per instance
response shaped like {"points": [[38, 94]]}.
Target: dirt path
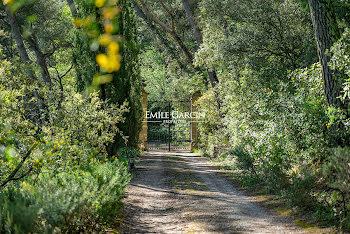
{"points": [[181, 193]]}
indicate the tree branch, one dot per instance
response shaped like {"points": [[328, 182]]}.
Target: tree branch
{"points": [[169, 13], [14, 172], [159, 35], [72, 8], [195, 29], [154, 18], [176, 37]]}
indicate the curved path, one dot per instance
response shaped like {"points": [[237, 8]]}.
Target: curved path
{"points": [[181, 193]]}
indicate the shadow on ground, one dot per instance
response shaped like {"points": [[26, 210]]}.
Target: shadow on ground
{"points": [[180, 192]]}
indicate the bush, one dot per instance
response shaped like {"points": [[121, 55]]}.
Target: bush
{"points": [[65, 180], [69, 201], [18, 212], [245, 161], [128, 156], [336, 172], [300, 193]]}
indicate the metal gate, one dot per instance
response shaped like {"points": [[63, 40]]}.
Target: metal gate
{"points": [[167, 125]]}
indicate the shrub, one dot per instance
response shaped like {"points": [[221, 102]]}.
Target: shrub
{"points": [[70, 201], [336, 172], [128, 156], [300, 193], [18, 212], [245, 161]]}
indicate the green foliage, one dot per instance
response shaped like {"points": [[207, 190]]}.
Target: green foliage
{"points": [[341, 60], [211, 135], [78, 127], [70, 201], [268, 36], [65, 180], [245, 161], [126, 83], [18, 212], [275, 120], [337, 176], [128, 156], [126, 153], [154, 73]]}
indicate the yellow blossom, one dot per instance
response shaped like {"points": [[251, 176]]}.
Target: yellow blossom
{"points": [[113, 48], [108, 28], [102, 60], [7, 2], [100, 3], [110, 13], [105, 39], [109, 63], [92, 204], [78, 22], [102, 80]]}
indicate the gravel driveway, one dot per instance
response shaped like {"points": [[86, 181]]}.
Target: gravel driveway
{"points": [[181, 193]]}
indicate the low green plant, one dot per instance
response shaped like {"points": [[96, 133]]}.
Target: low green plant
{"points": [[18, 211], [128, 156], [75, 200], [336, 172]]}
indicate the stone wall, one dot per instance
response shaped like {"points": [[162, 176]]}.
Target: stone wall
{"points": [[143, 133]]}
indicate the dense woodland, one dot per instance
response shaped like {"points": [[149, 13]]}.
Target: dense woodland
{"points": [[274, 78]]}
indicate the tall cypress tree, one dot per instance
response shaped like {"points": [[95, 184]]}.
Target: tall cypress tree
{"points": [[126, 83]]}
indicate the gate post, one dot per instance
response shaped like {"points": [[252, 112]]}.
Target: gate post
{"points": [[194, 125], [144, 128]]}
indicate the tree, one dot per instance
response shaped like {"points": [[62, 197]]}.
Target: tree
{"points": [[171, 30], [199, 38], [125, 84], [325, 38]]}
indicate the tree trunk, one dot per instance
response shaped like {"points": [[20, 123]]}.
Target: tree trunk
{"points": [[41, 60], [195, 29], [169, 30], [72, 8], [197, 34], [199, 38], [323, 36], [16, 32], [213, 78]]}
